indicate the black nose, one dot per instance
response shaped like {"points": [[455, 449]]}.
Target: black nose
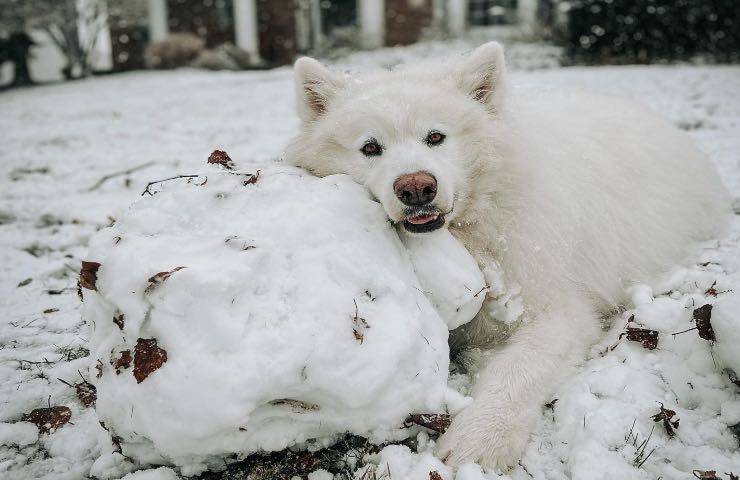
{"points": [[414, 189]]}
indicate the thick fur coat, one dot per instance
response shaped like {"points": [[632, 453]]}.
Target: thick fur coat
{"points": [[577, 196]]}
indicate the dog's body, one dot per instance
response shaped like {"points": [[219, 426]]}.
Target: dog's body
{"points": [[576, 196]]}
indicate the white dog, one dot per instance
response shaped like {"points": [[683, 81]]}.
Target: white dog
{"points": [[577, 197]]}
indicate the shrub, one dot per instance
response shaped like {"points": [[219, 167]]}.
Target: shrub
{"points": [[647, 30], [224, 57], [177, 50]]}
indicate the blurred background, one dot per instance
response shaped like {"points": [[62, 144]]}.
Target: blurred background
{"points": [[54, 40]]}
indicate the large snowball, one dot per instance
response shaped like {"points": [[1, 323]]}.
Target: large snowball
{"points": [[449, 275], [286, 309]]}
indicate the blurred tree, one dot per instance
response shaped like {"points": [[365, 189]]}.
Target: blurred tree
{"points": [[648, 30], [72, 25], [17, 49]]}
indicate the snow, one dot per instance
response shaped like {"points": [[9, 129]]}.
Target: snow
{"points": [[313, 287], [21, 434], [451, 280], [725, 324], [161, 473], [59, 141]]}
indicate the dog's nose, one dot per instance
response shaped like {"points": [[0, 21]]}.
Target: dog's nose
{"points": [[413, 189]]}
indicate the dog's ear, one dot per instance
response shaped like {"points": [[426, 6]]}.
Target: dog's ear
{"points": [[480, 75], [315, 86]]}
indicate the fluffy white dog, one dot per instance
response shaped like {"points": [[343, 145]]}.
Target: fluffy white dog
{"points": [[577, 196]]}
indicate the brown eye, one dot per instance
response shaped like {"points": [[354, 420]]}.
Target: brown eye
{"points": [[371, 149], [435, 138]]}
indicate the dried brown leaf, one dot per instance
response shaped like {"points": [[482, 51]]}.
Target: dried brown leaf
{"points": [[122, 362], [148, 357], [253, 178], [666, 417], [438, 422], [706, 474], [647, 338], [87, 393], [89, 275], [359, 325], [48, 419], [703, 318], [159, 278], [219, 157]]}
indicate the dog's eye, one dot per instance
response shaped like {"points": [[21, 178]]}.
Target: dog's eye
{"points": [[371, 149], [435, 138]]}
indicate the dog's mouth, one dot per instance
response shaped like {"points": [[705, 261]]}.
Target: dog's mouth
{"points": [[422, 221]]}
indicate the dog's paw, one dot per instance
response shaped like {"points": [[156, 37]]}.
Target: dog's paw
{"points": [[495, 438]]}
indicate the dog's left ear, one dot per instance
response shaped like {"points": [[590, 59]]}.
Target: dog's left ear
{"points": [[315, 87], [480, 75]]}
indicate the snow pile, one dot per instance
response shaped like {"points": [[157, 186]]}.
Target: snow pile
{"points": [[726, 326], [449, 275], [234, 313]]}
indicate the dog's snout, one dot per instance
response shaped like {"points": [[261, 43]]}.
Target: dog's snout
{"points": [[413, 189]]}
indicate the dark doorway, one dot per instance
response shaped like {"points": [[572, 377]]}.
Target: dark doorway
{"points": [[492, 12], [211, 20]]}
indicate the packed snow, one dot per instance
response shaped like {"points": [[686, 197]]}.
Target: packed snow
{"points": [[66, 151], [232, 275]]}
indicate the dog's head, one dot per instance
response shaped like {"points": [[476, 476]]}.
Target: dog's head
{"points": [[417, 137]]}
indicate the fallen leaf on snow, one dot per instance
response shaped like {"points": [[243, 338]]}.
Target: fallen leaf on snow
{"points": [[148, 357], [119, 321], [219, 157], [253, 178], [665, 415], [706, 475], [89, 275], [159, 278], [438, 422], [647, 338], [87, 393], [122, 362], [703, 319], [48, 419]]}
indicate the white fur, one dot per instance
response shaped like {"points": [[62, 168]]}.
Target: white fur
{"points": [[578, 196]]}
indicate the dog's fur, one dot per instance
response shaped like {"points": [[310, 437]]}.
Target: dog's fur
{"points": [[577, 196]]}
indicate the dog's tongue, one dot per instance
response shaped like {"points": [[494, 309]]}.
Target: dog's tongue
{"points": [[421, 219]]}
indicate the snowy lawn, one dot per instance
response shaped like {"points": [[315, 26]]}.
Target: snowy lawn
{"points": [[62, 149]]}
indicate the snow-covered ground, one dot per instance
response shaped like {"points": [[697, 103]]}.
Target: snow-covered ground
{"points": [[58, 144]]}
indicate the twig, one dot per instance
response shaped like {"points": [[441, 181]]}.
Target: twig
{"points": [[146, 190], [684, 331], [65, 382], [105, 178]]}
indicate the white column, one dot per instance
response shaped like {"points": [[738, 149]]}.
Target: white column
{"points": [[315, 20], [371, 14], [527, 14], [438, 15], [158, 27], [457, 17], [245, 27]]}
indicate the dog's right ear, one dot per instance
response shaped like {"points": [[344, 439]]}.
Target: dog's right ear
{"points": [[315, 87]]}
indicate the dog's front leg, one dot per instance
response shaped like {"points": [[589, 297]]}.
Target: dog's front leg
{"points": [[516, 382]]}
